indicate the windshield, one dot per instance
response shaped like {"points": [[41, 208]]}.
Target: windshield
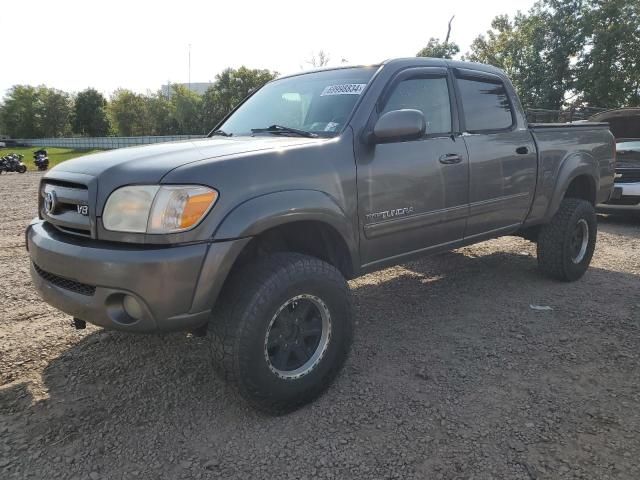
{"points": [[318, 102]]}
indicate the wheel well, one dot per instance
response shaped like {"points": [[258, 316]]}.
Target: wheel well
{"points": [[313, 238], [584, 187]]}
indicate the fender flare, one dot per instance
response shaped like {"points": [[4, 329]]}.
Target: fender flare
{"points": [[267, 211], [575, 165]]}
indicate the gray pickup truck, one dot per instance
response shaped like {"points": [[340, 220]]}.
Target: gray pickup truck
{"points": [[248, 236]]}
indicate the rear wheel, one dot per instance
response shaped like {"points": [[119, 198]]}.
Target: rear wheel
{"points": [[282, 330], [566, 244]]}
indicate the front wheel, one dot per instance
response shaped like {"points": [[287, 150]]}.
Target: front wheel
{"points": [[22, 168], [282, 330], [566, 244]]}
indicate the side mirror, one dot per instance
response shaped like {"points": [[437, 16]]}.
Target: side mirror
{"points": [[399, 125]]}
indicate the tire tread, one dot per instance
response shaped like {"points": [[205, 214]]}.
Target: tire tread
{"points": [[246, 291], [551, 239]]}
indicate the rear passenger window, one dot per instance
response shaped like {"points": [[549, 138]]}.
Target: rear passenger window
{"points": [[485, 104], [430, 96]]}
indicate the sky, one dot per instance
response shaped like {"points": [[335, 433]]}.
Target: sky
{"points": [[140, 44]]}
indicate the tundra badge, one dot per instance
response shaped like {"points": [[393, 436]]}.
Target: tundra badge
{"points": [[396, 212]]}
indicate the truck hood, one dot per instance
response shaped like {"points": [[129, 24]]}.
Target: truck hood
{"points": [[148, 164]]}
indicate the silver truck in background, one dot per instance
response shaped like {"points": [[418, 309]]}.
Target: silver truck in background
{"points": [[624, 123]]}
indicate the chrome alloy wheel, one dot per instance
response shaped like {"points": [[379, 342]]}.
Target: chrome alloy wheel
{"points": [[298, 336], [579, 241]]}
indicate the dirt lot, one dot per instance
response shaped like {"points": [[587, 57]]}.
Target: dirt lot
{"points": [[452, 375]]}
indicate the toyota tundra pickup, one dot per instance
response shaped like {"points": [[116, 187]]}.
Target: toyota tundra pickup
{"points": [[248, 236]]}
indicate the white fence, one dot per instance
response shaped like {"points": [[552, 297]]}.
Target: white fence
{"points": [[106, 143]]}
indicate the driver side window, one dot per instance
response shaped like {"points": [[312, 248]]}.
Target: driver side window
{"points": [[430, 96]]}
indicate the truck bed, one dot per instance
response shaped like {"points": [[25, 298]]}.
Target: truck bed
{"points": [[563, 150]]}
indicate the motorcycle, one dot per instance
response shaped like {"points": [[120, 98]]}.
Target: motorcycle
{"points": [[41, 159], [12, 163]]}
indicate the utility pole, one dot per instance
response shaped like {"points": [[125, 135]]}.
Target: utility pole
{"points": [[446, 40], [189, 67]]}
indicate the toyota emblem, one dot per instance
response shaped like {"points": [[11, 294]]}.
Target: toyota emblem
{"points": [[50, 202]]}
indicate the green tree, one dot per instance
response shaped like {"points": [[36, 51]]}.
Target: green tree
{"points": [[230, 88], [568, 52], [19, 112], [437, 49], [608, 70], [558, 30], [535, 50], [212, 109], [90, 114], [55, 109], [162, 116], [186, 110], [128, 113]]}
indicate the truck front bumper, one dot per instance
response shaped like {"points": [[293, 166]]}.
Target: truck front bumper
{"points": [[129, 287], [625, 197]]}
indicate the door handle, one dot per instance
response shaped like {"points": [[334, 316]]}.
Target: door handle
{"points": [[450, 158], [522, 150]]}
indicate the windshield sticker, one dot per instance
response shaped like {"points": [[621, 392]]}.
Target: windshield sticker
{"points": [[346, 89]]}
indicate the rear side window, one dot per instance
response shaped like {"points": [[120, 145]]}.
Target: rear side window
{"points": [[429, 95], [485, 104]]}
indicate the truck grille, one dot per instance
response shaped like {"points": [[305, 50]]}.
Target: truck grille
{"points": [[67, 284], [58, 204], [628, 175]]}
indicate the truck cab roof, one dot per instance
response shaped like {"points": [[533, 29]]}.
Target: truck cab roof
{"points": [[408, 62]]}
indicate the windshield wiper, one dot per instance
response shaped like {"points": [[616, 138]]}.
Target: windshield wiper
{"points": [[221, 133], [282, 129]]}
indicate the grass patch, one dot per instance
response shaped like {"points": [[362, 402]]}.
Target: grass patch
{"points": [[56, 155]]}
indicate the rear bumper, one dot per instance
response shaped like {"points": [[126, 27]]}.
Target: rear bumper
{"points": [[625, 197], [174, 287]]}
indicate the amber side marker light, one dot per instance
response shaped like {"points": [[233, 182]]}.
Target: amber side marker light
{"points": [[196, 207]]}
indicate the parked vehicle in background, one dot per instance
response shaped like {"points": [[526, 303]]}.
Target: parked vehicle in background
{"points": [[625, 126], [12, 163], [2, 144], [41, 159], [314, 179]]}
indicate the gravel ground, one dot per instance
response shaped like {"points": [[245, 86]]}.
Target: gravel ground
{"points": [[452, 375]]}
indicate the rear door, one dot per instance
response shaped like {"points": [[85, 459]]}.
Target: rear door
{"points": [[502, 154], [412, 195]]}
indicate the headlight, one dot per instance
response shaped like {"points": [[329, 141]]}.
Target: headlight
{"points": [[157, 209]]}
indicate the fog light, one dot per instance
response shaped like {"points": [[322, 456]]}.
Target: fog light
{"points": [[132, 307]]}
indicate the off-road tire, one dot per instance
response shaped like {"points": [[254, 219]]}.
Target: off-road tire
{"points": [[554, 240], [241, 319]]}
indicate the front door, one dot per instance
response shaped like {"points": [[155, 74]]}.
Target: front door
{"points": [[413, 195]]}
